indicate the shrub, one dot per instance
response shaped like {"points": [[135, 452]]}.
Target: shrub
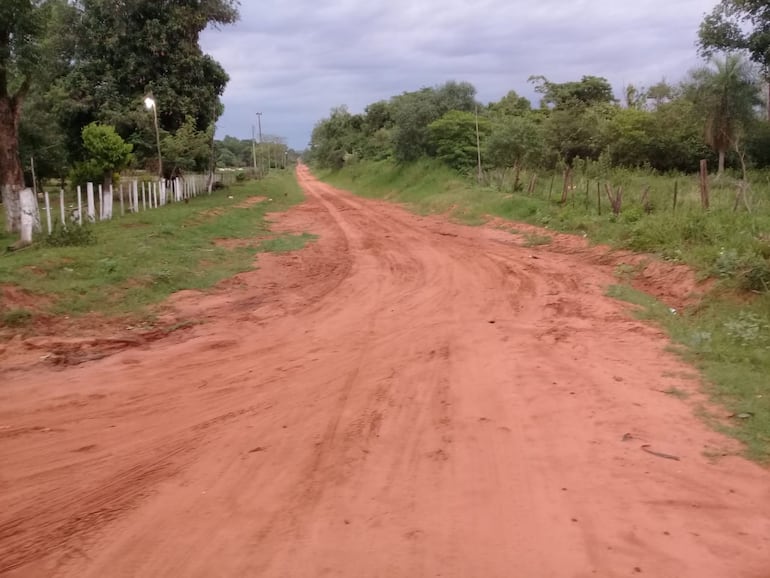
{"points": [[15, 318], [72, 235]]}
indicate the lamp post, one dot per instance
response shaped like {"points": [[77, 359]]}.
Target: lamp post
{"points": [[149, 103]]}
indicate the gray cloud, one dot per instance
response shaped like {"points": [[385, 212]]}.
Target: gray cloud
{"points": [[293, 61]]}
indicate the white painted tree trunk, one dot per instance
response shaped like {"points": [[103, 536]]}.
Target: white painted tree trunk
{"points": [[30, 215], [12, 208], [61, 208]]}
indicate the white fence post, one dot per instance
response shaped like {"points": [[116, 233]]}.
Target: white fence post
{"points": [[80, 207], [47, 210], [107, 204], [61, 207]]}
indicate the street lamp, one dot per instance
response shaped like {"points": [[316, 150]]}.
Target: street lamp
{"points": [[149, 103]]}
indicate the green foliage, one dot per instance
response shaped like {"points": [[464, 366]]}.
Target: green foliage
{"points": [[453, 138], [514, 140], [187, 150], [727, 93], [15, 318], [737, 25], [108, 154], [412, 112], [70, 235], [588, 91]]}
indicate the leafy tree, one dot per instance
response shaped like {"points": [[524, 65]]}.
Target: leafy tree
{"points": [[511, 105], [453, 138], [660, 93], [514, 141], [412, 112], [739, 25], [108, 153], [22, 24], [126, 50], [187, 150], [241, 151], [727, 93], [573, 132], [334, 138], [585, 92]]}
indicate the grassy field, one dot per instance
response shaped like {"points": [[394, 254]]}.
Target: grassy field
{"points": [[727, 336], [140, 259]]}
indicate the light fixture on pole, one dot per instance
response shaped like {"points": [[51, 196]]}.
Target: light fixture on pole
{"points": [[150, 104]]}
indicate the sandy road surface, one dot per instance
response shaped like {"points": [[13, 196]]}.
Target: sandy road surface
{"points": [[403, 398]]}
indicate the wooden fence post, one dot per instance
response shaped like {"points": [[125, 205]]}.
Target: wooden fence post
{"points": [[704, 184], [676, 193]]}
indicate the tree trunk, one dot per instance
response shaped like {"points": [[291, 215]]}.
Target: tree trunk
{"points": [[30, 215], [767, 96], [11, 174], [721, 169]]}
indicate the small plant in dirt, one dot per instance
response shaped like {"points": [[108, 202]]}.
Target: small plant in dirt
{"points": [[534, 240], [15, 318], [72, 235]]}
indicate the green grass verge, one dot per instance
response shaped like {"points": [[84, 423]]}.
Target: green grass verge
{"points": [[139, 260], [727, 336]]}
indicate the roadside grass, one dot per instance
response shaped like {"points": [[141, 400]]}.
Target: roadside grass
{"points": [[140, 259], [726, 336]]}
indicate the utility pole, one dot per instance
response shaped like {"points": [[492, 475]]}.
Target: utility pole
{"points": [[259, 124]]}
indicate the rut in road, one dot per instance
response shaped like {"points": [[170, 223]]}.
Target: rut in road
{"points": [[404, 397]]}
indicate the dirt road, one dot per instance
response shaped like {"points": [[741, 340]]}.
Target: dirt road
{"points": [[403, 398]]}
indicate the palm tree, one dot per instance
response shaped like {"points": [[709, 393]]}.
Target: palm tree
{"points": [[727, 90]]}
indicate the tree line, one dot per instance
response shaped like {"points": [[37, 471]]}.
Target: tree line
{"points": [[714, 113]]}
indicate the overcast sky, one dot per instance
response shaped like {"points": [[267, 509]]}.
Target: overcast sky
{"points": [[293, 60]]}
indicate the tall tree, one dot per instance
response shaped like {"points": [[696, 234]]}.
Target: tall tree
{"points": [[587, 91], [727, 93], [21, 27], [128, 49], [739, 25], [412, 112], [453, 138]]}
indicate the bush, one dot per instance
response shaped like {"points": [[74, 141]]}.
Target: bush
{"points": [[15, 318], [72, 235]]}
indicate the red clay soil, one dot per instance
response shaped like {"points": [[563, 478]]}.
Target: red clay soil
{"points": [[405, 397]]}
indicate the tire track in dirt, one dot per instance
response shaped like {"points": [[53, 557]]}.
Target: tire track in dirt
{"points": [[404, 397]]}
